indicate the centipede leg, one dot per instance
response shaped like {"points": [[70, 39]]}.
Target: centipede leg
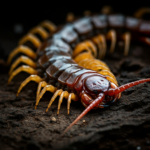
{"points": [[71, 96], [106, 9], [32, 38], [100, 46], [24, 68], [22, 59], [85, 46], [139, 13], [83, 56], [21, 49], [35, 78], [58, 92], [50, 88], [102, 40], [127, 38], [41, 31], [111, 35], [70, 17], [41, 85], [48, 25], [64, 94]]}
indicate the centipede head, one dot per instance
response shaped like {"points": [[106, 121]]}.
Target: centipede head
{"points": [[97, 92], [93, 87]]}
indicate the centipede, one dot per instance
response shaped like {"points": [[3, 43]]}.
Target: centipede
{"points": [[66, 60]]}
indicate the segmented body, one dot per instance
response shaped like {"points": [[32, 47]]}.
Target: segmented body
{"points": [[58, 73]]}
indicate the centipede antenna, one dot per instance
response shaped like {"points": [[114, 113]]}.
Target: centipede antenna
{"points": [[91, 106], [122, 88]]}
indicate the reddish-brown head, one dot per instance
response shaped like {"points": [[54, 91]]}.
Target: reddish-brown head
{"points": [[94, 86]]}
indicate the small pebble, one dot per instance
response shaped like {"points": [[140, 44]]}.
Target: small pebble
{"points": [[83, 120], [53, 119], [138, 148]]}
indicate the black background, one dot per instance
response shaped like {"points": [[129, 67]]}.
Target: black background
{"points": [[30, 13]]}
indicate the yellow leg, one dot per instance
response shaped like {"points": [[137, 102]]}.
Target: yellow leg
{"points": [[83, 61], [32, 38], [49, 25], [21, 49], [22, 59], [20, 69], [102, 39], [97, 62], [41, 31], [127, 38], [92, 47], [106, 10], [85, 46], [99, 67], [57, 93], [46, 88], [41, 85], [70, 17], [27, 80], [71, 96], [101, 44], [140, 12], [82, 56], [111, 35], [79, 48], [64, 94], [87, 62]]}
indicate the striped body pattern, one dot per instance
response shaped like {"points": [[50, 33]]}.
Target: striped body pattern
{"points": [[64, 62]]}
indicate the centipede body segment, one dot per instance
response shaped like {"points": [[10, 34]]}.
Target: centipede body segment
{"points": [[65, 64]]}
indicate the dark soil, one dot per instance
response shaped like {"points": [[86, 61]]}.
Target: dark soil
{"points": [[124, 125]]}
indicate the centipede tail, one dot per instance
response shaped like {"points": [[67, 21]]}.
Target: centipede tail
{"points": [[65, 65]]}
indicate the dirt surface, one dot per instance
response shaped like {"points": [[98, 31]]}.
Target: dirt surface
{"points": [[124, 125]]}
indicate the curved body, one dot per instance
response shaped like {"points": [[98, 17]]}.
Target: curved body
{"points": [[84, 77]]}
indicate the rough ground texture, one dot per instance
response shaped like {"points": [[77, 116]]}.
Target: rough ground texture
{"points": [[124, 125]]}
